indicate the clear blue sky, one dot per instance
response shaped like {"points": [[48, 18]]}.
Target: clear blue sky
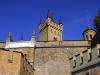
{"points": [[22, 16]]}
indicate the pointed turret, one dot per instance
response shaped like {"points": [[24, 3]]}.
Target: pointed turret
{"points": [[89, 33], [50, 16], [33, 36], [9, 39], [60, 21], [41, 20]]}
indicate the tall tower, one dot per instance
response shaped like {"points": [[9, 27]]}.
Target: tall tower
{"points": [[49, 30], [89, 33]]}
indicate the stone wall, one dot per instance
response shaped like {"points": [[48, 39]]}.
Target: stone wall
{"points": [[52, 58], [14, 63], [90, 64]]}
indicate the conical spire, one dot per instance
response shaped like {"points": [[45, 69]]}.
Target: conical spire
{"points": [[60, 20], [9, 37], [33, 36], [50, 15], [41, 20]]}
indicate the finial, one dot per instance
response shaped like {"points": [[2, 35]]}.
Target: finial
{"points": [[60, 20], [41, 21], [49, 14], [9, 34], [21, 39], [88, 27], [9, 37], [33, 33], [33, 36]]}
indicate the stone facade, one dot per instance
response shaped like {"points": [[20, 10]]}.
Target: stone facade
{"points": [[14, 63], [87, 62]]}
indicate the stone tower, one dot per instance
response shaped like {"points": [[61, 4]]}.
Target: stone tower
{"points": [[49, 30], [89, 33]]}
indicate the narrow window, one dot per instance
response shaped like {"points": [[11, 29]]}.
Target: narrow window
{"points": [[89, 56], [74, 62], [91, 37], [81, 58]]}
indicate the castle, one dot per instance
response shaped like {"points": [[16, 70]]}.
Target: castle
{"points": [[49, 56]]}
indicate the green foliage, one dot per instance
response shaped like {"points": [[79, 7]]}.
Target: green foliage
{"points": [[97, 21]]}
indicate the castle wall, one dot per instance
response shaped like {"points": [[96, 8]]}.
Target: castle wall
{"points": [[80, 43], [52, 58], [9, 63], [13, 63], [90, 65]]}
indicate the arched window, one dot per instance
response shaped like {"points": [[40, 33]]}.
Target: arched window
{"points": [[91, 36], [51, 31], [55, 39]]}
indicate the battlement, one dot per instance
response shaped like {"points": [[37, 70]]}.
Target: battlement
{"points": [[50, 23], [85, 59], [71, 43]]}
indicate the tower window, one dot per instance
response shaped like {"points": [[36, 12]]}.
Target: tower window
{"points": [[55, 39]]}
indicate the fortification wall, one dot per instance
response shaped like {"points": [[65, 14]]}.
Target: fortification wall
{"points": [[63, 43], [52, 58]]}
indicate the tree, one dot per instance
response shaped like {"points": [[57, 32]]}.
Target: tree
{"points": [[97, 21]]}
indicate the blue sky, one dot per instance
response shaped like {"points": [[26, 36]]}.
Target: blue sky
{"points": [[22, 16]]}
